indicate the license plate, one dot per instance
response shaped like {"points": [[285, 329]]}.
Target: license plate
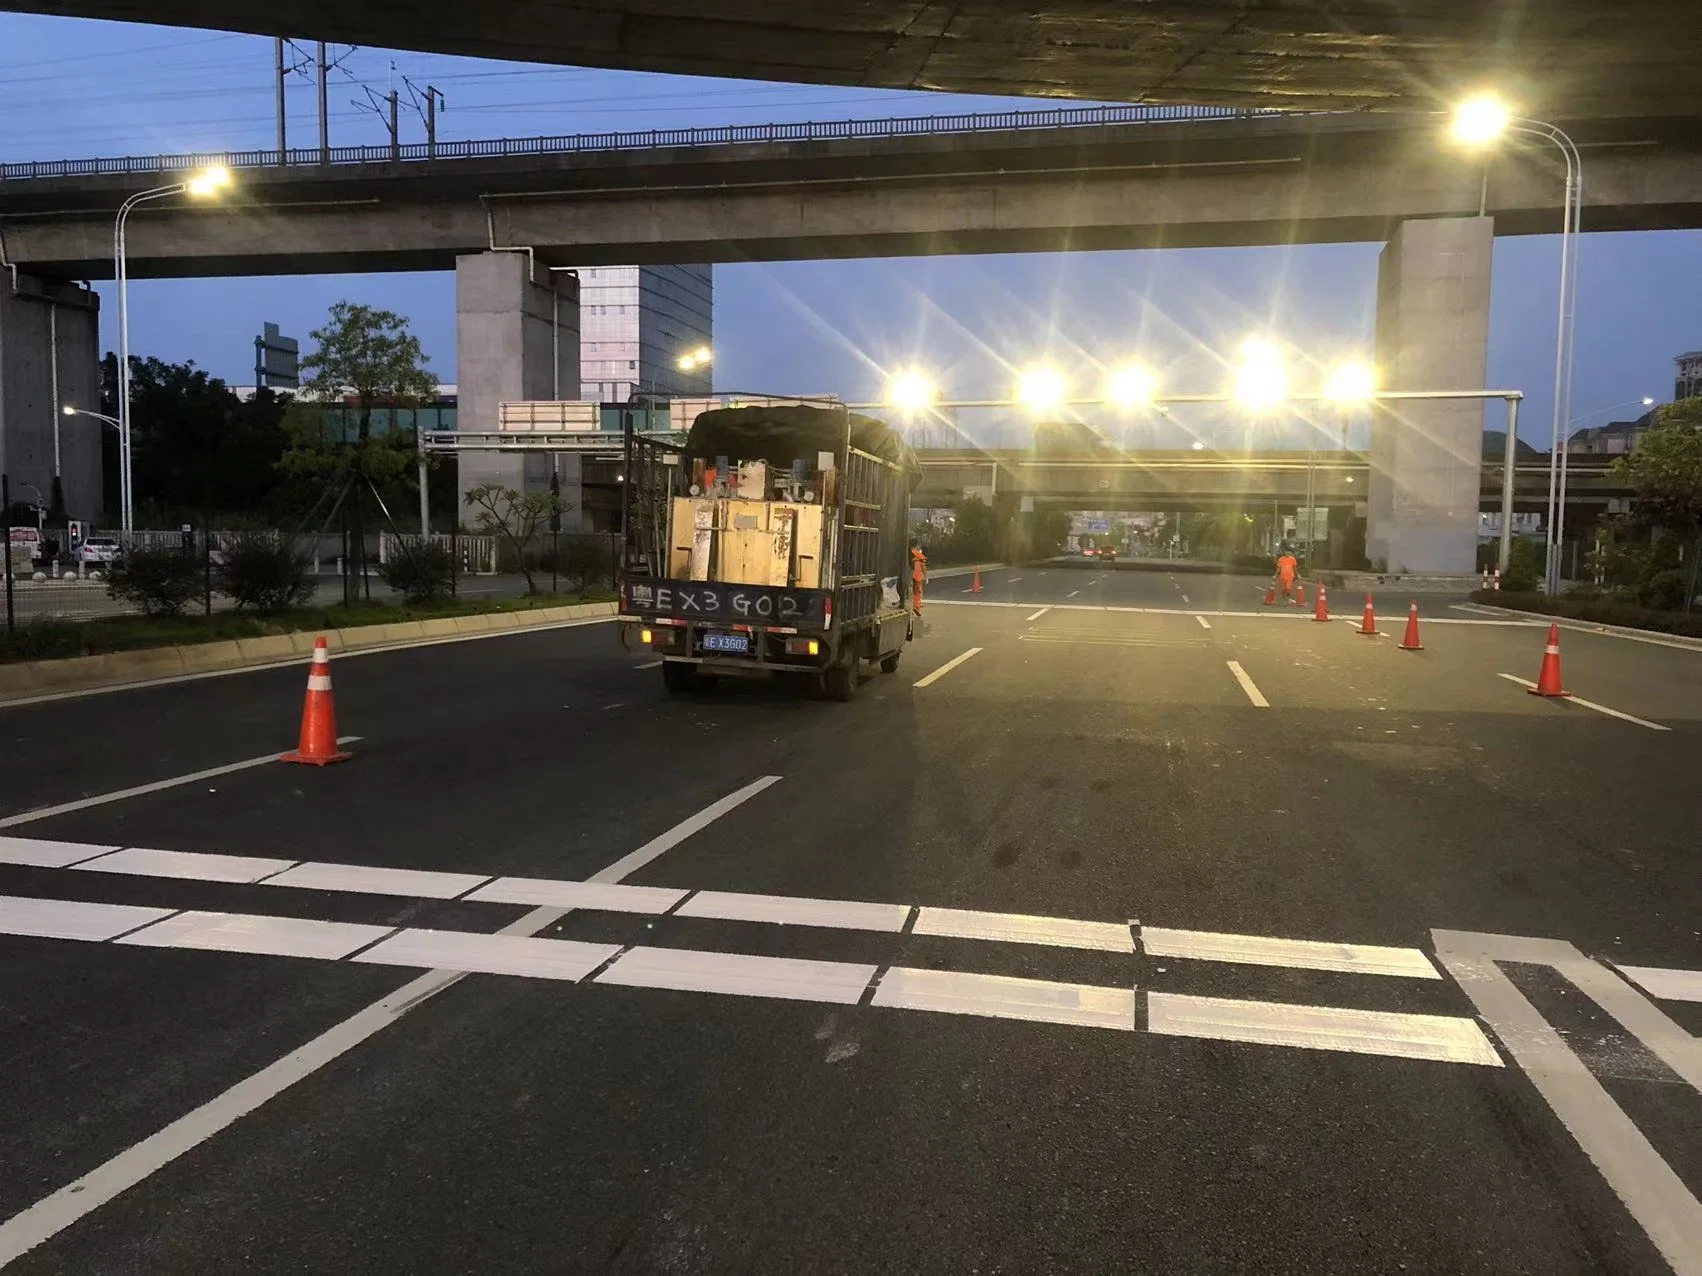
{"points": [[726, 642]]}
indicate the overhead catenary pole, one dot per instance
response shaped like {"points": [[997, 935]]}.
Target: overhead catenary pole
{"points": [[324, 107], [431, 121], [1509, 452], [283, 139], [395, 126]]}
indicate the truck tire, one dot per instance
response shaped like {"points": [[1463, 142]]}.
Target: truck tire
{"points": [[839, 682], [679, 678], [889, 664]]}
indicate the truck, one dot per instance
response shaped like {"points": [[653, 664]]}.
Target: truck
{"points": [[773, 543]]}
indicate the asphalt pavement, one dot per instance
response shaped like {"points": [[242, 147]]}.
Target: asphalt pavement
{"points": [[1130, 926]]}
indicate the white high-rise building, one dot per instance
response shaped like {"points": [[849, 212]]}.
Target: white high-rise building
{"points": [[635, 323]]}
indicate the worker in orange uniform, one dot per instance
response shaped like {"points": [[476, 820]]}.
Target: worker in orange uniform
{"points": [[918, 573], [1287, 569]]}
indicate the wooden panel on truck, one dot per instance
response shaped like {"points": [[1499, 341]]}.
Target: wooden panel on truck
{"points": [[679, 538], [806, 530], [746, 546], [702, 538]]}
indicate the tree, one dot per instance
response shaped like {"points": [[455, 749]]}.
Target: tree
{"points": [[515, 518], [1665, 471], [369, 355]]}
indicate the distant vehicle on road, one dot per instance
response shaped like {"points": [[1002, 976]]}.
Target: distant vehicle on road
{"points": [[1108, 553], [1090, 551], [98, 551]]}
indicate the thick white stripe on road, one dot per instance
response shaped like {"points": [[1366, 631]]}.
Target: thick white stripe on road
{"points": [[1442, 1038], [1004, 997], [362, 880], [596, 897], [1012, 580], [1668, 985], [632, 861], [1072, 593], [1018, 928], [249, 933], [522, 955], [1037, 615], [1247, 685], [784, 910], [189, 865], [54, 1213], [1656, 1197], [1591, 704], [1295, 954], [946, 668], [741, 975], [100, 799], [39, 854], [64, 919], [654, 664], [1204, 623]]}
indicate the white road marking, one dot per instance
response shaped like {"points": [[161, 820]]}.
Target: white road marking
{"points": [[1656, 1197], [362, 880], [137, 861], [839, 983], [1295, 954], [1037, 615], [41, 854], [1668, 985], [1580, 627], [1247, 685], [1591, 704], [1204, 623], [654, 664], [1004, 997], [1264, 613], [1017, 928], [1442, 1038], [100, 799], [1012, 580], [946, 668], [1072, 593], [594, 897], [1184, 598], [783, 910], [521, 955], [57, 1211], [65, 919], [248, 933]]}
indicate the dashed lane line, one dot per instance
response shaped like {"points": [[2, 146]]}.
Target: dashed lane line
{"points": [[1591, 704], [1037, 615], [1247, 685], [1184, 598], [1204, 623], [1072, 593], [930, 679]]}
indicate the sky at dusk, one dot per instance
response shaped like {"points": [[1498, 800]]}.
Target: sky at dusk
{"points": [[75, 88]]}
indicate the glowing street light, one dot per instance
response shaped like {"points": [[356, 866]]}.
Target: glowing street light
{"points": [[701, 357], [1480, 120], [208, 182], [911, 392], [1351, 382], [1260, 381], [1041, 389], [1130, 386]]}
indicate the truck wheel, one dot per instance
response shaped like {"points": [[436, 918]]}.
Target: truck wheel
{"points": [[680, 679], [840, 680], [889, 664]]}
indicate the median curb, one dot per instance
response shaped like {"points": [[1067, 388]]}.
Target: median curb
{"points": [[113, 669], [1659, 637]]}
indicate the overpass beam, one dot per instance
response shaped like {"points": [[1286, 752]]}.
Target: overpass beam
{"points": [[1432, 334], [50, 343], [516, 338]]}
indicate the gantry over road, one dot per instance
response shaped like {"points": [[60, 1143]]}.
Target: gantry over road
{"points": [[1575, 57]]}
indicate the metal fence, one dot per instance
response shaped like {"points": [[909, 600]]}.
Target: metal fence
{"points": [[472, 555], [721, 135]]}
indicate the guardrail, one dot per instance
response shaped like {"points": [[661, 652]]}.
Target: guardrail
{"points": [[720, 135]]}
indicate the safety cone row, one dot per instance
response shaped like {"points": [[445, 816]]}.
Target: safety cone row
{"points": [[1368, 624], [975, 582], [1321, 610], [318, 746], [1410, 642], [1548, 678]]}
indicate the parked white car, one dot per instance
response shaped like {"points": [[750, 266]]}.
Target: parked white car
{"points": [[98, 551]]}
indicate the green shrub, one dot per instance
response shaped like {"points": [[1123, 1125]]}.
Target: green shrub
{"points": [[44, 638], [158, 580], [264, 572], [1665, 589], [420, 572], [1525, 568]]}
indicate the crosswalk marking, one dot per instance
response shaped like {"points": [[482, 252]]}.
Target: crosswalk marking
{"points": [[600, 897], [1441, 1038], [361, 880], [264, 936], [72, 919], [479, 953], [196, 866], [1016, 928], [741, 974], [1295, 954], [35, 853], [1668, 985], [843, 914], [1005, 997]]}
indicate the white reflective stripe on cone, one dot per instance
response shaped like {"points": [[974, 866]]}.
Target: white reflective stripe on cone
{"points": [[318, 682]]}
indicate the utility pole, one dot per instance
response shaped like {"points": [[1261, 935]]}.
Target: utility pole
{"points": [[395, 128], [432, 95], [324, 108], [283, 140]]}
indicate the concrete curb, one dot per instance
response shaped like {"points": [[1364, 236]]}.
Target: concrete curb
{"points": [[155, 664], [1681, 641], [945, 572]]}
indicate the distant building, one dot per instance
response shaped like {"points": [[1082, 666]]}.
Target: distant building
{"points": [[1687, 381], [1616, 438], [636, 322]]}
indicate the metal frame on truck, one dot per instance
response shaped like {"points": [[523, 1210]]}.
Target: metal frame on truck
{"points": [[822, 633]]}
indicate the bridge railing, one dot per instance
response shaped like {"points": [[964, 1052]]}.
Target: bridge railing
{"points": [[719, 135]]}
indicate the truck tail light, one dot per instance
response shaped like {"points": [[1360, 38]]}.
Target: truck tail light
{"points": [[803, 647], [645, 636]]}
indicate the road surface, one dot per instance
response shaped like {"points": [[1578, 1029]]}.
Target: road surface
{"points": [[1159, 932]]}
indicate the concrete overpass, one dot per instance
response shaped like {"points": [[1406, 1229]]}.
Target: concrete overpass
{"points": [[1127, 177], [1571, 58]]}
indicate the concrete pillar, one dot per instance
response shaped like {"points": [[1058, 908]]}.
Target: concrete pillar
{"points": [[39, 319], [516, 338], [1432, 334]]}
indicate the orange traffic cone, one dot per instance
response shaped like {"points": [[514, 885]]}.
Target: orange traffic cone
{"points": [[1270, 595], [1411, 642], [1322, 610], [318, 745], [1548, 680], [1299, 593], [1369, 624], [975, 583]]}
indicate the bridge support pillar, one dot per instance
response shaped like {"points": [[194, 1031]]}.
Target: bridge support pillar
{"points": [[50, 340], [1432, 334], [516, 337]]}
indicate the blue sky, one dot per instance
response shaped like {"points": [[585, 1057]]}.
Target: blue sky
{"points": [[75, 88]]}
